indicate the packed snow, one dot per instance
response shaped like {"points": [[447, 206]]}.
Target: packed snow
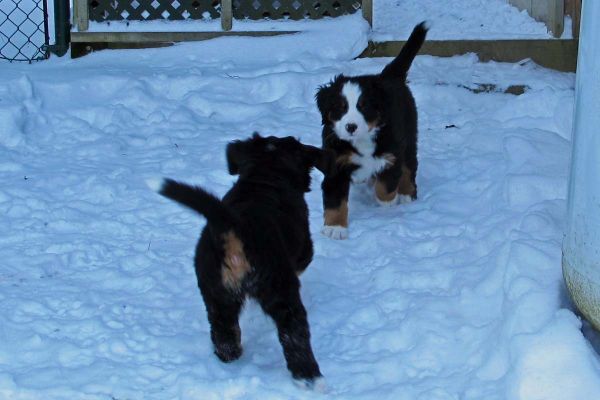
{"points": [[458, 295]]}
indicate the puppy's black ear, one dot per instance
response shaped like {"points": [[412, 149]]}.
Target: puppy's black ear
{"points": [[237, 155], [240, 153], [232, 154], [326, 95], [323, 160]]}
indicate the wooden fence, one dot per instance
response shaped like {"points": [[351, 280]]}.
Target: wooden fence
{"points": [[552, 53], [226, 10]]}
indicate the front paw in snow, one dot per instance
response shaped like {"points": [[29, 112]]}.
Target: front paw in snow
{"points": [[318, 384], [336, 232], [405, 199], [388, 203]]}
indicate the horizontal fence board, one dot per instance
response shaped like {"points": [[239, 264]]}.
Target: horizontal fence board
{"points": [[559, 54], [161, 37]]}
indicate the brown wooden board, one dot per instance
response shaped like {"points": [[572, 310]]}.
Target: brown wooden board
{"points": [[161, 37], [557, 54], [573, 9]]}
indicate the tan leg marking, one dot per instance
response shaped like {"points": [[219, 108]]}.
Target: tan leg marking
{"points": [[344, 159], [373, 124], [382, 193], [238, 334], [406, 186], [337, 216], [235, 264]]}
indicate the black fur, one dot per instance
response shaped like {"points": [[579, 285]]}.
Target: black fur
{"points": [[385, 101], [266, 210]]}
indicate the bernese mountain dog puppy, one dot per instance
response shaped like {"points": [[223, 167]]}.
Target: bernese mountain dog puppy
{"points": [[370, 122], [256, 243]]}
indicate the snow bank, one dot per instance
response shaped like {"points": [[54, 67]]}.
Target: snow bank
{"points": [[340, 38], [554, 364], [459, 19]]}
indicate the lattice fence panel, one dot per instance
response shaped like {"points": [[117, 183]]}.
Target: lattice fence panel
{"points": [[293, 9], [143, 10]]}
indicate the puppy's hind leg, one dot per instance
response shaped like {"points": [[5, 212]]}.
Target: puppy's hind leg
{"points": [[282, 302], [407, 187], [386, 187], [223, 314]]}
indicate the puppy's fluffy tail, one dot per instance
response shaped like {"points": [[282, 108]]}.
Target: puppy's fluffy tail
{"points": [[218, 216], [399, 67]]}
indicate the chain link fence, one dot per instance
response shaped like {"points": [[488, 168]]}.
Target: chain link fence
{"points": [[24, 30]]}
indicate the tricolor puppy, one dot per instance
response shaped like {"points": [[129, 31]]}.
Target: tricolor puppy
{"points": [[370, 122], [256, 243]]}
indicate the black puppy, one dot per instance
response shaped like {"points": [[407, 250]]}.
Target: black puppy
{"points": [[370, 121], [256, 243]]}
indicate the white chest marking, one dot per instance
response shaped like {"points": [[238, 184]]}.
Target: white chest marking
{"points": [[369, 165]]}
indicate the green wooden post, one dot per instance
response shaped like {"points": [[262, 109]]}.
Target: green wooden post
{"points": [[82, 18], [62, 27]]}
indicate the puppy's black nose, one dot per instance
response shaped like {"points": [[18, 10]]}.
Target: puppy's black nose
{"points": [[351, 128]]}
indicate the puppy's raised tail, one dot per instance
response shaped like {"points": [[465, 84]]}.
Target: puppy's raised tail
{"points": [[217, 215], [399, 67]]}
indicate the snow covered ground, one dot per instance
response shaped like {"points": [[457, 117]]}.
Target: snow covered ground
{"points": [[458, 295]]}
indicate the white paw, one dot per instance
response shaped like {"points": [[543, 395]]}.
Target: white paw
{"points": [[405, 199], [336, 232], [318, 384], [361, 175], [155, 184], [390, 203]]}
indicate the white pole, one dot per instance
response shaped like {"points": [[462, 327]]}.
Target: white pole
{"points": [[581, 246]]}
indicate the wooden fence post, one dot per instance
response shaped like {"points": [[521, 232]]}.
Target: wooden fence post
{"points": [[226, 15], [550, 12], [82, 17], [573, 9], [367, 11]]}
